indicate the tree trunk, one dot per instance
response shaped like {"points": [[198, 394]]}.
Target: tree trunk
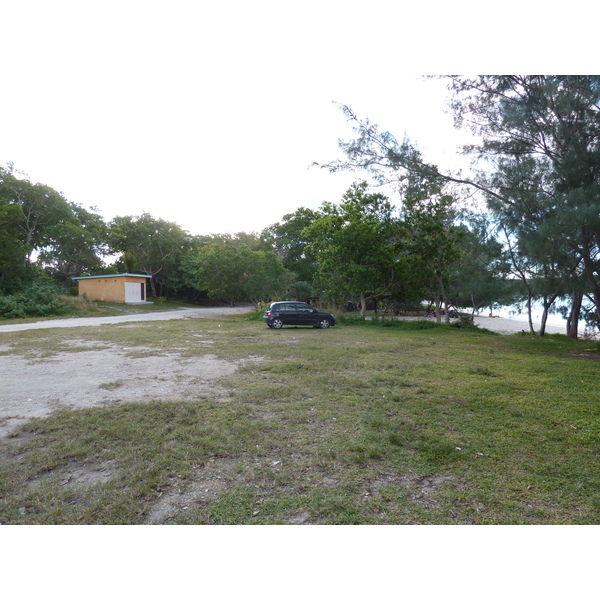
{"points": [[153, 287], [438, 309], [573, 319], [445, 301], [531, 327], [590, 270], [543, 323], [363, 307], [547, 302]]}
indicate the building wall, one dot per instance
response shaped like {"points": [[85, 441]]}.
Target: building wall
{"points": [[107, 289]]}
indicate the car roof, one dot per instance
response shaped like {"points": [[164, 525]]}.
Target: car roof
{"points": [[288, 302]]}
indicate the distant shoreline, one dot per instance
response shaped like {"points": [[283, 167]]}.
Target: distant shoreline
{"points": [[508, 326]]}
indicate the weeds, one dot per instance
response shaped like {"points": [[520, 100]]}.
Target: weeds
{"points": [[356, 424], [111, 385]]}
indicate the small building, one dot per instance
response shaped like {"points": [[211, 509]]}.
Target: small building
{"points": [[127, 288]]}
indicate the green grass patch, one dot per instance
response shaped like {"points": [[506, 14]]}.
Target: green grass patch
{"points": [[360, 423]]}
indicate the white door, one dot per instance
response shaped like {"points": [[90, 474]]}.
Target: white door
{"points": [[133, 292]]}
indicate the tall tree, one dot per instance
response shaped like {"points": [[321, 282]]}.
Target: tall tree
{"points": [[541, 142], [355, 245], [75, 245], [40, 209], [479, 279], [40, 226], [431, 237], [237, 273], [290, 243], [541, 151], [12, 249], [153, 243]]}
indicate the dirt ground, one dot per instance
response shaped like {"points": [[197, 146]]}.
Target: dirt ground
{"points": [[36, 387], [33, 387]]}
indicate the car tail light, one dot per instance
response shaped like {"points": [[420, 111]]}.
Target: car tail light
{"points": [[269, 313]]}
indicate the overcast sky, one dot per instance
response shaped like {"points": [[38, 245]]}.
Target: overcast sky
{"points": [[209, 114]]}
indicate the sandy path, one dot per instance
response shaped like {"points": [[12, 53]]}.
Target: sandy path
{"points": [[498, 324], [167, 315]]}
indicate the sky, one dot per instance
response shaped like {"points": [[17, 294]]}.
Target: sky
{"points": [[209, 115]]}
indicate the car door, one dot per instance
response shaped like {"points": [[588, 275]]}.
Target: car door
{"points": [[292, 315], [287, 314], [305, 314]]}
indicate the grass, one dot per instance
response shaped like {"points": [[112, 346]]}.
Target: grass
{"points": [[359, 424]]}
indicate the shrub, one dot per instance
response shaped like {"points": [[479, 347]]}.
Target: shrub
{"points": [[77, 303], [257, 315], [38, 299]]}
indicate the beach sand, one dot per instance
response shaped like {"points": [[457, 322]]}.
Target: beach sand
{"points": [[510, 326]]}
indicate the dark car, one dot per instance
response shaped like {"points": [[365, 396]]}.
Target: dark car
{"points": [[296, 313]]}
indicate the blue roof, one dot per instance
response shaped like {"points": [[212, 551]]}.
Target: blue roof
{"points": [[113, 275]]}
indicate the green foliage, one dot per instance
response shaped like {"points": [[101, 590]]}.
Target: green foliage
{"points": [[152, 245], [37, 222], [236, 272], [541, 138], [541, 143], [257, 315], [77, 245], [38, 299], [299, 290], [288, 240], [12, 249], [355, 245], [432, 239], [478, 279]]}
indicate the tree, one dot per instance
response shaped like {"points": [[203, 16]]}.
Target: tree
{"points": [[153, 244], [355, 245], [379, 154], [431, 237], [427, 201], [236, 272], [39, 209], [265, 277], [541, 142], [179, 279], [478, 280], [12, 249], [40, 226], [290, 243], [540, 151], [75, 246]]}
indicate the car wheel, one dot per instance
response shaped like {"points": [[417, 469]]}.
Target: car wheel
{"points": [[276, 323], [324, 323]]}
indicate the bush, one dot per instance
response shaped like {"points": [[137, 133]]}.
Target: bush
{"points": [[38, 299], [257, 315], [77, 303]]}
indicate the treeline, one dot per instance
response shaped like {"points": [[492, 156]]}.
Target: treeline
{"points": [[536, 178], [531, 232], [45, 239], [363, 252], [360, 251]]}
